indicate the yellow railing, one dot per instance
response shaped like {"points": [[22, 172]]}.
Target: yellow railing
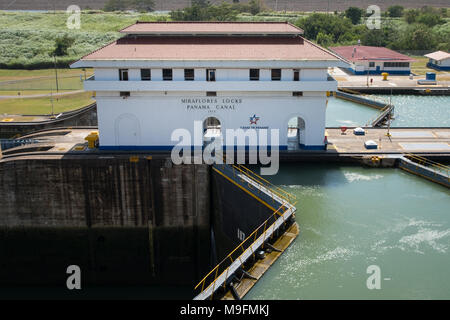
{"points": [[224, 266], [260, 180], [429, 163], [283, 194]]}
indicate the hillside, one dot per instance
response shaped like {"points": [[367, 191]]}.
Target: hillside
{"points": [[163, 5]]}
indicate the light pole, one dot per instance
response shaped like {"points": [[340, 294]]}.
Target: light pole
{"points": [[56, 74]]}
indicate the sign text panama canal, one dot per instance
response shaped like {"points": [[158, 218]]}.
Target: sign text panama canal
{"points": [[211, 103]]}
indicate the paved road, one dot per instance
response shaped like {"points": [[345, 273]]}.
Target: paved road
{"points": [[41, 95]]}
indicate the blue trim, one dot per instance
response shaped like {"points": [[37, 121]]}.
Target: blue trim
{"points": [[375, 72], [436, 67], [169, 148], [303, 147]]}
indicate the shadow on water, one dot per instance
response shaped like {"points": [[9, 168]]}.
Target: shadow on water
{"points": [[307, 174]]}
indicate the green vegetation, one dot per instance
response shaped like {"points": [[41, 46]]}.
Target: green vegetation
{"points": [[354, 14], [38, 106], [33, 82], [29, 39], [120, 5]]}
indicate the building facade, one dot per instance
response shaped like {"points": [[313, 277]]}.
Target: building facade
{"points": [[164, 76], [374, 60], [439, 60]]}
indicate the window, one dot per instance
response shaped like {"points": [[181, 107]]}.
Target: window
{"points": [[276, 74], [211, 93], [210, 74], [254, 74], [371, 64], [296, 75], [189, 74], [167, 74], [396, 64], [297, 93], [146, 75], [123, 74], [124, 94]]}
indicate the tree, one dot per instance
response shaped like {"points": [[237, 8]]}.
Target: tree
{"points": [[62, 44], [416, 37], [411, 15], [354, 14], [429, 19], [325, 23], [256, 6], [143, 5], [395, 11], [115, 5], [324, 39]]}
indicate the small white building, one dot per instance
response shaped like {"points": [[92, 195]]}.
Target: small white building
{"points": [[374, 60], [439, 60], [163, 76]]}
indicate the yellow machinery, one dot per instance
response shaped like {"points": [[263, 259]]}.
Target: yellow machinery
{"points": [[92, 139]]}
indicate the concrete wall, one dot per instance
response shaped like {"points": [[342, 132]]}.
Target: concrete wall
{"points": [[82, 117], [122, 222]]}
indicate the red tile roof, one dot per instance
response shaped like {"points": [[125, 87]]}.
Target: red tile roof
{"points": [[211, 48], [212, 28], [369, 53]]}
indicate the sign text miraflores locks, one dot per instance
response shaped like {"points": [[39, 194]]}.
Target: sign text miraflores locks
{"points": [[211, 104]]}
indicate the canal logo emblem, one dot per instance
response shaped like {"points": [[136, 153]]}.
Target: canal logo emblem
{"points": [[254, 119]]}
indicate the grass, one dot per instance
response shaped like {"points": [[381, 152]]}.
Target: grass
{"points": [[43, 105], [33, 82]]}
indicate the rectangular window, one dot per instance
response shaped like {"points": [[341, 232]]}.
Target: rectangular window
{"points": [[123, 74], [296, 75], [276, 74], [211, 93], [371, 64], [167, 74], [188, 74], [210, 74], [297, 93], [124, 94], [146, 75], [254, 74], [396, 64]]}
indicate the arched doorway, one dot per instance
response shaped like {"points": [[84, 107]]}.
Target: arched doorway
{"points": [[296, 133], [212, 130], [127, 130]]}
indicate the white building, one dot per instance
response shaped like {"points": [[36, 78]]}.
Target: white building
{"points": [[439, 60], [162, 76], [374, 60]]}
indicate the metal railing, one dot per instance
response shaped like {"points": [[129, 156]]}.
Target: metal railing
{"points": [[428, 163], [388, 109], [218, 276], [249, 180], [284, 195]]}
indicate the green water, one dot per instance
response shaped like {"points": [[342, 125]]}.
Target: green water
{"points": [[351, 218], [410, 111]]}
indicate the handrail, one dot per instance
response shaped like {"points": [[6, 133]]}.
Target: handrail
{"points": [[229, 257], [425, 161], [224, 266], [254, 176], [260, 180]]}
